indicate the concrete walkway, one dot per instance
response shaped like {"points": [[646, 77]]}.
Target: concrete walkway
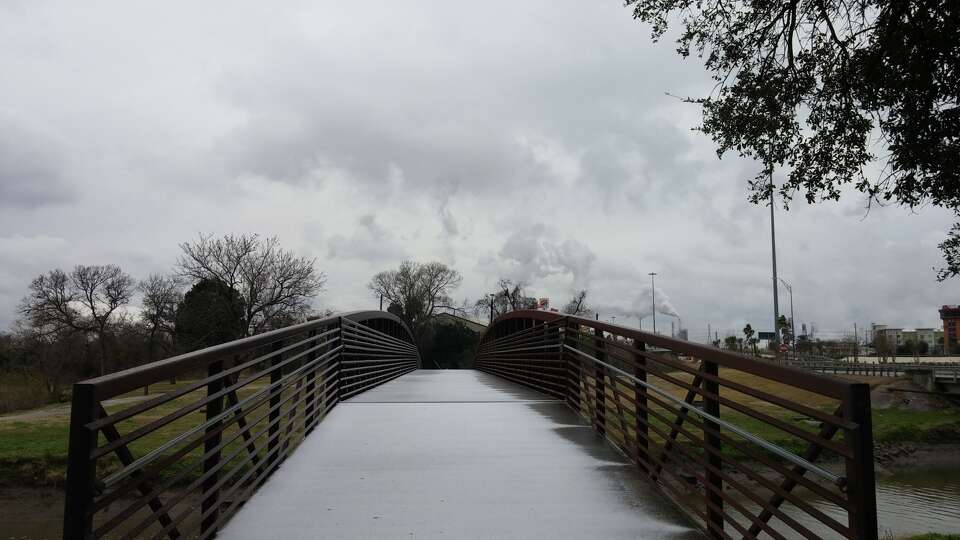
{"points": [[455, 454]]}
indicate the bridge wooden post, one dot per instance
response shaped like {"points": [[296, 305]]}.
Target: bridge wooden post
{"points": [[642, 427], [81, 470], [273, 432], [711, 438], [599, 375], [211, 465], [861, 483]]}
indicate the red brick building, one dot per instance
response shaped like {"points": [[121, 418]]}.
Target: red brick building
{"points": [[951, 327]]}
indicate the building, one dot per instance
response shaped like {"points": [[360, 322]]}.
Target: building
{"points": [[950, 315], [926, 335]]}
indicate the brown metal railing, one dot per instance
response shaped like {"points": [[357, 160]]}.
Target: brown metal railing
{"points": [[180, 463], [745, 447]]}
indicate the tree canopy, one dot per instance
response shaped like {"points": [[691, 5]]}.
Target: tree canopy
{"points": [[275, 286], [414, 290], [828, 87]]}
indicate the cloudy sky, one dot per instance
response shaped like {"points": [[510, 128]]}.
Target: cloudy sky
{"points": [[532, 140]]}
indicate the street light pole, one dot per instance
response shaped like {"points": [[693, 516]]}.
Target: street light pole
{"points": [[773, 250], [793, 327], [653, 300]]}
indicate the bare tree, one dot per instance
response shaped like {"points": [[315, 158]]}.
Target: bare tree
{"points": [[85, 301], [577, 305], [510, 296], [161, 294], [414, 291], [274, 284]]}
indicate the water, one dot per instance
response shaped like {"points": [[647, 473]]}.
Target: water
{"points": [[919, 501], [908, 503]]}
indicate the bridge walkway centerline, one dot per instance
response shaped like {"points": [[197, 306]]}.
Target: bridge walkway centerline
{"points": [[456, 454]]}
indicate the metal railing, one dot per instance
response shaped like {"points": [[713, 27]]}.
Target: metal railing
{"points": [[181, 463], [885, 369], [745, 447]]}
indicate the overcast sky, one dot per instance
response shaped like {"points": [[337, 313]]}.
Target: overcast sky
{"points": [[532, 140]]}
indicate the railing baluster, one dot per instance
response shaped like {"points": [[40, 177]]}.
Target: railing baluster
{"points": [[211, 498], [311, 395], [81, 470], [599, 374], [711, 440], [860, 474], [276, 393], [642, 427]]}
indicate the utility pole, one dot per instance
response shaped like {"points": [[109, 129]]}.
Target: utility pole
{"points": [[708, 334], [773, 250], [491, 308], [653, 300], [671, 329], [381, 302]]}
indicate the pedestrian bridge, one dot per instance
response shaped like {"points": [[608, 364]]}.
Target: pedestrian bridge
{"points": [[567, 428]]}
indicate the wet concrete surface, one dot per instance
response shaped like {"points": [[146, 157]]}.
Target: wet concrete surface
{"points": [[455, 454]]}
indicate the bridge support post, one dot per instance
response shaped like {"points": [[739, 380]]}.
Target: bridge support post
{"points": [[642, 427], [81, 470], [599, 375], [711, 438], [861, 483], [210, 505]]}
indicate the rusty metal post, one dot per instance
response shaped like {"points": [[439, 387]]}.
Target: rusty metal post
{"points": [[211, 494], [81, 470], [861, 482], [642, 427], [711, 438], [599, 372]]}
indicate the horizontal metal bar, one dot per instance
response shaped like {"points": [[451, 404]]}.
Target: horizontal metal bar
{"points": [[785, 454], [156, 452]]}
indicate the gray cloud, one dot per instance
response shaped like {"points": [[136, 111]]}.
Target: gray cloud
{"points": [[31, 167], [526, 140]]}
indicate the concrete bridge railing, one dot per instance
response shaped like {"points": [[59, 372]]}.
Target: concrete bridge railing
{"points": [[180, 463], [727, 437]]}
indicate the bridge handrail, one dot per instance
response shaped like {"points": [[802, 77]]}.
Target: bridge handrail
{"points": [[629, 384], [221, 435]]}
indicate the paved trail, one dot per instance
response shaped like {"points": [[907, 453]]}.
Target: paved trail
{"points": [[455, 454]]}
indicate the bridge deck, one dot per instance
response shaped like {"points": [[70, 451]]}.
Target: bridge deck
{"points": [[455, 454]]}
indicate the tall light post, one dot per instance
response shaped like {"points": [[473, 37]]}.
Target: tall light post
{"points": [[653, 300], [773, 250], [793, 327]]}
